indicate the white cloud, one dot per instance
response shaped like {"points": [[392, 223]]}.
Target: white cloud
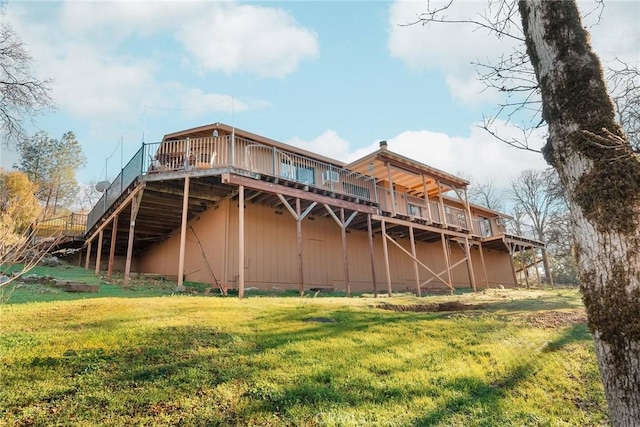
{"points": [[264, 41], [328, 144], [478, 155], [468, 90], [219, 36], [89, 50], [450, 48], [618, 34]]}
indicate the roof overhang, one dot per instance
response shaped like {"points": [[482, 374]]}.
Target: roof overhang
{"points": [[405, 172]]}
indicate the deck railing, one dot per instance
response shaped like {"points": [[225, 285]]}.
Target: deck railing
{"points": [[127, 175], [251, 156], [240, 153], [524, 230], [72, 225], [417, 207]]}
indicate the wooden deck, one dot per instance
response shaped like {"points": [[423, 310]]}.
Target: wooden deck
{"points": [[168, 184]]}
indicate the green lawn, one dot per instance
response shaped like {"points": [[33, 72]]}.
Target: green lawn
{"points": [[522, 358]]}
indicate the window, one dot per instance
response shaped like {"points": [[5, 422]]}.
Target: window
{"points": [[414, 210], [303, 174], [357, 190], [485, 227], [455, 216]]}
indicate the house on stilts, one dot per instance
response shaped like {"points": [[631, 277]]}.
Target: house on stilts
{"points": [[253, 212]]}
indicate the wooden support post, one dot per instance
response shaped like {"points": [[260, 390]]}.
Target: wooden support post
{"points": [[447, 260], [525, 270], [512, 254], [135, 205], [416, 272], [468, 213], [373, 260], [472, 276], [299, 238], [385, 251], [79, 258], [535, 267], [86, 261], [227, 255], [112, 251], [241, 241], [345, 256], [426, 197], [298, 215], [183, 234], [443, 216], [98, 252], [547, 270], [421, 264], [484, 267], [393, 193]]}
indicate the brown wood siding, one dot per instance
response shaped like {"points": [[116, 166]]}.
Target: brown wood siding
{"points": [[210, 229], [271, 258]]}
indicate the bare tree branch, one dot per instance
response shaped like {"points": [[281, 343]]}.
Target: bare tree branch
{"points": [[624, 82], [22, 95], [499, 19]]}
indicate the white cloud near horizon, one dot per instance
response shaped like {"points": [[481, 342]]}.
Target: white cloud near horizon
{"points": [[478, 156]]}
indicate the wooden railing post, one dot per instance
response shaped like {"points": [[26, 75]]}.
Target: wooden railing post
{"points": [[142, 157], [330, 177], [275, 154], [187, 153], [232, 148]]}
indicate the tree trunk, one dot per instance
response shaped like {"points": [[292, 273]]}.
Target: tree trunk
{"points": [[601, 178]]}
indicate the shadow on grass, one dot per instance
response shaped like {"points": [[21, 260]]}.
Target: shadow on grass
{"points": [[557, 302], [570, 335], [472, 393], [175, 363], [320, 325]]}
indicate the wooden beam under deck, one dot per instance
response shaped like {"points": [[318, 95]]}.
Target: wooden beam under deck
{"points": [[135, 205], [98, 253], [183, 233], [156, 212], [294, 192], [112, 251], [240, 241]]}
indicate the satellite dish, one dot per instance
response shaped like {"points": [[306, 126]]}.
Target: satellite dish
{"points": [[102, 186]]}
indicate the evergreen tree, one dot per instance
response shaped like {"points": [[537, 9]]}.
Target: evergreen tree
{"points": [[52, 165]]}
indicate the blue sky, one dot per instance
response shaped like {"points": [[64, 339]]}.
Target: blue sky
{"points": [[334, 77]]}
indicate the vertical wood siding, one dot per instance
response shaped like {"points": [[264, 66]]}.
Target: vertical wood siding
{"points": [[271, 258]]}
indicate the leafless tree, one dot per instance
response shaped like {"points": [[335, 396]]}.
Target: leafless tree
{"points": [[624, 83], [22, 94], [19, 254], [486, 194], [534, 192], [600, 176], [541, 206], [87, 197]]}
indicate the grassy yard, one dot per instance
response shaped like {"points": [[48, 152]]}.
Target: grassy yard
{"points": [[513, 358]]}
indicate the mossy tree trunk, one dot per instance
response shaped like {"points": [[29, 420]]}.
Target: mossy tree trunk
{"points": [[601, 178]]}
